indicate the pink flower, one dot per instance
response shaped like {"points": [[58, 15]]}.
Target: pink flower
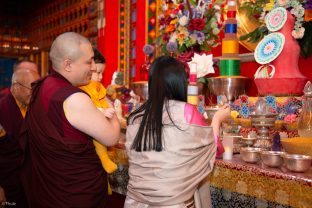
{"points": [[282, 2], [290, 118]]}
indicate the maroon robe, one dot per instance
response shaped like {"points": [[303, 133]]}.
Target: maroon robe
{"points": [[11, 120], [4, 92], [61, 167]]}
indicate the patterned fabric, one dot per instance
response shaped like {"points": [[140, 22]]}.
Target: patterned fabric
{"points": [[222, 198], [235, 184], [268, 184]]}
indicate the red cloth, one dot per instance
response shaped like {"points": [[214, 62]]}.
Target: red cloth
{"points": [[61, 167], [4, 92], [11, 120], [108, 41]]}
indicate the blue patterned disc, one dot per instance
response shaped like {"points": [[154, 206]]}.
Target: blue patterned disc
{"points": [[269, 48]]}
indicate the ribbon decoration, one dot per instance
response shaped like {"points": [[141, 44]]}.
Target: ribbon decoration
{"points": [[230, 67], [230, 28], [231, 14], [230, 46]]}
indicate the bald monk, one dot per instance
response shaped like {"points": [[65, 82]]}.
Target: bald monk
{"points": [[22, 64], [26, 64], [61, 167], [13, 106]]}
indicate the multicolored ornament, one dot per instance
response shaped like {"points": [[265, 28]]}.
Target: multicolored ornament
{"points": [[276, 19], [269, 48]]}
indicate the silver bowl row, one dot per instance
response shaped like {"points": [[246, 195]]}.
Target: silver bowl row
{"points": [[275, 159]]}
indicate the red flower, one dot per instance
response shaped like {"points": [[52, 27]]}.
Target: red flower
{"points": [[196, 24], [175, 12], [166, 37], [181, 7]]}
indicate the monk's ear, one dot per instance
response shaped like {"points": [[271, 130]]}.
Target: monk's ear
{"points": [[67, 65]]}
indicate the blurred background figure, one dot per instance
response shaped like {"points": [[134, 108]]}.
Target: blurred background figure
{"points": [[13, 107]]}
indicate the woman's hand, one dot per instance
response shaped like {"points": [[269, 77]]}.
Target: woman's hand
{"points": [[222, 114]]}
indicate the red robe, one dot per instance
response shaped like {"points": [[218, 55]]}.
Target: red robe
{"points": [[4, 92], [61, 167], [11, 121]]}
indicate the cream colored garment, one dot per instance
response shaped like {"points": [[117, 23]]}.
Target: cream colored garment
{"points": [[170, 177]]}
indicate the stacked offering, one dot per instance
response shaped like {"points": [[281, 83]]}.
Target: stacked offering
{"points": [[192, 88], [229, 84], [230, 62]]}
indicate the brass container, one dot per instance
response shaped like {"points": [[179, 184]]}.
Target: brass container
{"points": [[298, 145]]}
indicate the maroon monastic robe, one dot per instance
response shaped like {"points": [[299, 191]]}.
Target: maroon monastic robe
{"points": [[10, 153], [61, 167], [4, 92]]}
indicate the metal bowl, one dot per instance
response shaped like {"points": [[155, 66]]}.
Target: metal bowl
{"points": [[140, 88], [272, 159], [231, 87], [250, 154], [249, 141], [259, 120], [297, 163]]}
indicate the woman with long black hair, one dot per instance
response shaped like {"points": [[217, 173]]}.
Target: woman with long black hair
{"points": [[170, 147]]}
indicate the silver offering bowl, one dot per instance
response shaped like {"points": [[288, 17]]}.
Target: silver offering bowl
{"points": [[250, 154], [262, 122], [297, 163], [231, 87], [272, 159], [141, 89], [249, 141]]}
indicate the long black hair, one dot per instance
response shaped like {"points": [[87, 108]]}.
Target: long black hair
{"points": [[167, 80]]}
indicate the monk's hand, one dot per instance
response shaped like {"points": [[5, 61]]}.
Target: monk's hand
{"points": [[2, 197]]}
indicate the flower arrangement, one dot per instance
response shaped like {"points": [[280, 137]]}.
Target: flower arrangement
{"points": [[189, 25], [298, 8]]}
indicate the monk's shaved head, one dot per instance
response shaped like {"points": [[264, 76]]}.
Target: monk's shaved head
{"points": [[25, 64], [21, 84], [66, 46]]}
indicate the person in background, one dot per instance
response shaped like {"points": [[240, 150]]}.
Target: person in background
{"points": [[13, 107], [21, 64], [97, 93], [25, 64], [61, 167], [171, 150]]}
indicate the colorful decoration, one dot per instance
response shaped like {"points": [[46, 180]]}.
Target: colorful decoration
{"points": [[193, 25], [151, 17], [269, 48], [300, 9], [148, 51], [276, 19], [230, 62]]}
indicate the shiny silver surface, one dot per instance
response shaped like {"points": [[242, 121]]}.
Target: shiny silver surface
{"points": [[272, 159], [249, 141], [231, 87], [297, 163], [250, 154]]}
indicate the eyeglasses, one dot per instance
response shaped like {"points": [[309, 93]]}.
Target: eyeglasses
{"points": [[22, 85]]}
